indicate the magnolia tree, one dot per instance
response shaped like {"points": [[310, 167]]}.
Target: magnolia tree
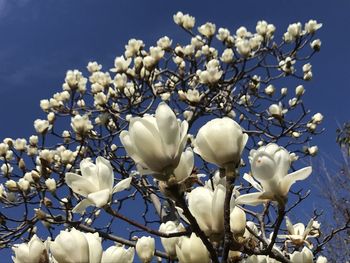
{"points": [[151, 154]]}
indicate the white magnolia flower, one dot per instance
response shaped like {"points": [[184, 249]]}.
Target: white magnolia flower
{"points": [[299, 90], [269, 166], [304, 256], [23, 184], [169, 244], [95, 183], [74, 80], [317, 118], [212, 74], [118, 254], [237, 221], [145, 248], [276, 110], [133, 47], [76, 247], [312, 26], [293, 32], [81, 124], [264, 29], [192, 250], [208, 29], [20, 144], [33, 251], [298, 234], [243, 47], [220, 141], [164, 43], [207, 206], [185, 21], [50, 184], [227, 55], [223, 34], [93, 67], [316, 44], [270, 90], [156, 143], [121, 64]]}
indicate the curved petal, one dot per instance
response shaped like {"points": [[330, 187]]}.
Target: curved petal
{"points": [[122, 185], [80, 184], [169, 129], [89, 171], [95, 247], [100, 198], [200, 202], [185, 167], [254, 198], [129, 146], [81, 206], [251, 180], [105, 173], [148, 145], [291, 178], [217, 208]]}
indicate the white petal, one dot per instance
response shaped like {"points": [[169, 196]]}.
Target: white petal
{"points": [[168, 127], [253, 198], [100, 198], [80, 184], [291, 178], [185, 167], [217, 208], [251, 180], [105, 173], [122, 185], [81, 206]]}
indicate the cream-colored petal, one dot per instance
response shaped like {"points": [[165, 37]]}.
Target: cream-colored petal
{"points": [[122, 185], [81, 206], [200, 203], [148, 145], [100, 198], [89, 171], [185, 167], [253, 198], [105, 173], [291, 178], [251, 180], [80, 184], [217, 208], [169, 129]]}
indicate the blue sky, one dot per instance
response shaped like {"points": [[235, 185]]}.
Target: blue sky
{"points": [[42, 39]]}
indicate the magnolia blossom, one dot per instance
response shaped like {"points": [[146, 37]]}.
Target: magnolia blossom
{"points": [[145, 248], [169, 244], [304, 256], [298, 234], [33, 251], [121, 64], [208, 29], [237, 221], [95, 183], [270, 165], [212, 74], [81, 124], [118, 254], [192, 250], [220, 141], [41, 126], [156, 143], [184, 20], [76, 247], [207, 206]]}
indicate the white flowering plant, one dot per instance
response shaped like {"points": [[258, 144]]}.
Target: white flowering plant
{"points": [[168, 133]]}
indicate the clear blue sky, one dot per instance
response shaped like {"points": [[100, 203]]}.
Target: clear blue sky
{"points": [[41, 39]]}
